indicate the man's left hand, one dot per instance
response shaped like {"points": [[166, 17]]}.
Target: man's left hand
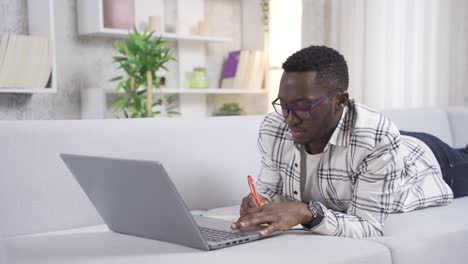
{"points": [[278, 216]]}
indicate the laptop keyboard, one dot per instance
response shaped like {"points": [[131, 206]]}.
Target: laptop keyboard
{"points": [[214, 235]]}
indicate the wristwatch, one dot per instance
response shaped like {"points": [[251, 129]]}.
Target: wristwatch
{"points": [[317, 215]]}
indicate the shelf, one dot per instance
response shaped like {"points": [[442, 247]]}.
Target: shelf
{"points": [[199, 91], [193, 102], [214, 91], [119, 33], [28, 90], [90, 22]]}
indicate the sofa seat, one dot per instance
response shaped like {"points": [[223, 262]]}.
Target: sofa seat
{"points": [[97, 244], [431, 235]]}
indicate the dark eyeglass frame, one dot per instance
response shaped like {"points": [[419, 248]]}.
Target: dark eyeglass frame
{"points": [[284, 110]]}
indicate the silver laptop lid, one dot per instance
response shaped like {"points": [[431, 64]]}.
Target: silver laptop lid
{"points": [[136, 198]]}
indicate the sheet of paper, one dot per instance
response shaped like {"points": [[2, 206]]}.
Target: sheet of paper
{"points": [[230, 213]]}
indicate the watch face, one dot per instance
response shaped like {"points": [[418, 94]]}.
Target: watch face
{"points": [[316, 209], [313, 210], [317, 215]]}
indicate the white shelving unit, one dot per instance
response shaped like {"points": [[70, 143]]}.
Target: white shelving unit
{"points": [[194, 101], [191, 49], [91, 23], [119, 33], [28, 90], [41, 22], [198, 91]]}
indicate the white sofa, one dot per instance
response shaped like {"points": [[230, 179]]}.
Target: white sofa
{"points": [[47, 218]]}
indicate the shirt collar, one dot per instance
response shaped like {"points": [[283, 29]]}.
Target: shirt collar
{"points": [[341, 135]]}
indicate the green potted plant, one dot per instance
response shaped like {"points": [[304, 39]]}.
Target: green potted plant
{"points": [[141, 56]]}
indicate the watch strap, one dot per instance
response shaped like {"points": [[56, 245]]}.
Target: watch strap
{"points": [[317, 215]]}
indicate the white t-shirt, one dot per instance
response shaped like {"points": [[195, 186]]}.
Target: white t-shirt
{"points": [[311, 189]]}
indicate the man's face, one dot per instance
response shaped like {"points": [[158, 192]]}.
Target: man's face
{"points": [[299, 89]]}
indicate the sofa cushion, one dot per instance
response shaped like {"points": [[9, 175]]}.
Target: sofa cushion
{"points": [[99, 245], [208, 159], [458, 117], [431, 235], [432, 121]]}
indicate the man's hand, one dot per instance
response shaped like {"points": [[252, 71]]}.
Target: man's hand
{"points": [[249, 202], [279, 216]]}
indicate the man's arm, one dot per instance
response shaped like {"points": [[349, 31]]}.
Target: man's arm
{"points": [[269, 183]]}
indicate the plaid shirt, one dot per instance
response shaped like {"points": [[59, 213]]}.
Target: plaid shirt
{"points": [[366, 172]]}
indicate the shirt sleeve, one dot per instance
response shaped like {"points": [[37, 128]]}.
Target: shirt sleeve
{"points": [[269, 181], [377, 181]]}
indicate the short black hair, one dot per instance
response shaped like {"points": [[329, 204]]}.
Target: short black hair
{"points": [[330, 65]]}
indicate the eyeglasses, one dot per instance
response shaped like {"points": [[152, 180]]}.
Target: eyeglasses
{"points": [[301, 112]]}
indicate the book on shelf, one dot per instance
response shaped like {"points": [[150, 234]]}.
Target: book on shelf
{"points": [[25, 61], [243, 69], [230, 69], [254, 78], [3, 46]]}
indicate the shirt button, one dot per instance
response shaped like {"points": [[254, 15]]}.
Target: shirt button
{"points": [[295, 164], [295, 192]]}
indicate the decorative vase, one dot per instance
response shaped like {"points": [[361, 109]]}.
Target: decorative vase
{"points": [[154, 24], [118, 13], [199, 78]]}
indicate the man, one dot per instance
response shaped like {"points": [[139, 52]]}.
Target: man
{"points": [[338, 167]]}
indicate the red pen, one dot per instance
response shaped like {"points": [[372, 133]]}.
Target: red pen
{"points": [[253, 191]]}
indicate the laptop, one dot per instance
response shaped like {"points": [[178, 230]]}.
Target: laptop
{"points": [[138, 198]]}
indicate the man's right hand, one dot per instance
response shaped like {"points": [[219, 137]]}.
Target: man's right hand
{"points": [[249, 202]]}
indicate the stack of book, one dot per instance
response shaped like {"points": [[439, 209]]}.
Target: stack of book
{"points": [[25, 61], [244, 69]]}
